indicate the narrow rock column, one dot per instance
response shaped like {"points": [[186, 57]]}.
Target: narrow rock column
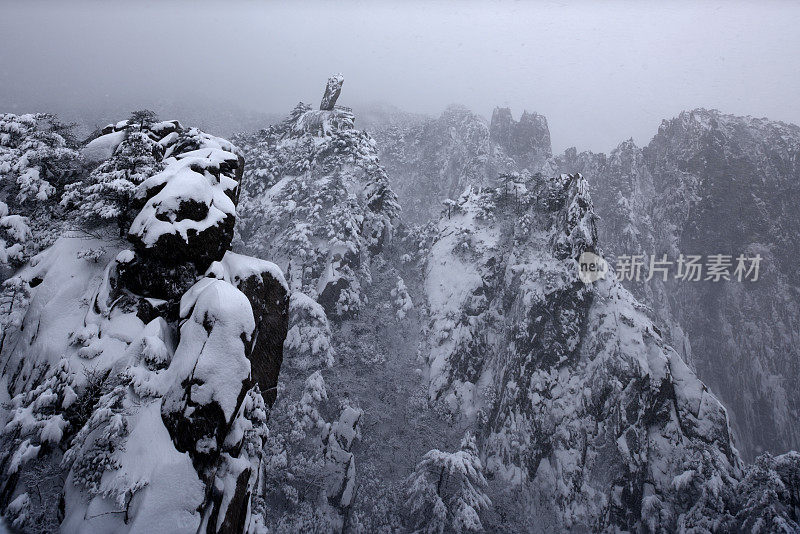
{"points": [[332, 91]]}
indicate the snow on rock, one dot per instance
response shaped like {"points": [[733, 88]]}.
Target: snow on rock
{"points": [[103, 147], [58, 282], [239, 268], [316, 200], [189, 201], [580, 402], [155, 486], [454, 285], [211, 355], [266, 289], [340, 467], [133, 377], [332, 91]]}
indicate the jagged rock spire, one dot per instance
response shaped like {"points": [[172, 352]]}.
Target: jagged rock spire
{"points": [[332, 91], [526, 140]]}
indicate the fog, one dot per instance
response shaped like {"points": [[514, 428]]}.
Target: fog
{"points": [[600, 72]]}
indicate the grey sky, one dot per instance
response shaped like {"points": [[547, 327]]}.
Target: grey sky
{"points": [[600, 72]]}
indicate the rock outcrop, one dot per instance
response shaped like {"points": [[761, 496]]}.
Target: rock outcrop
{"points": [[527, 141], [316, 200], [332, 91], [579, 401], [431, 160], [710, 183], [141, 377]]}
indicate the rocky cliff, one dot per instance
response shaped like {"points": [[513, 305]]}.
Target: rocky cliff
{"points": [[710, 183], [527, 140], [578, 399], [138, 379], [458, 376]]}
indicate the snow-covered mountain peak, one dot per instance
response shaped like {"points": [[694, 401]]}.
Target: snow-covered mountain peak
{"points": [[715, 183], [564, 379], [318, 182]]}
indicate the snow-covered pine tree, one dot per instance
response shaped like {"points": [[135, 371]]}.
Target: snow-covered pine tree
{"points": [[38, 421], [38, 158], [308, 342], [769, 495], [14, 233], [317, 179], [294, 469], [107, 193], [402, 300], [143, 117], [447, 491], [92, 453]]}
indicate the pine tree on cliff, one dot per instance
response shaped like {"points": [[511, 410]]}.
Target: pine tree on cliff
{"points": [[35, 156], [106, 195], [143, 117], [447, 490]]}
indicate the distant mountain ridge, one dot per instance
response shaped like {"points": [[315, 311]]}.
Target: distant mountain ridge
{"points": [[707, 183], [431, 159], [711, 183]]}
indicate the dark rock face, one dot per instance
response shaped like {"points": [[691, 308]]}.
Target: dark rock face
{"points": [[331, 294], [270, 301], [197, 426], [236, 515], [710, 183], [190, 422], [199, 248], [332, 91], [502, 126], [167, 263], [158, 278]]}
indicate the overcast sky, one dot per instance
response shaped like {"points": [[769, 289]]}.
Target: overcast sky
{"points": [[601, 72]]}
